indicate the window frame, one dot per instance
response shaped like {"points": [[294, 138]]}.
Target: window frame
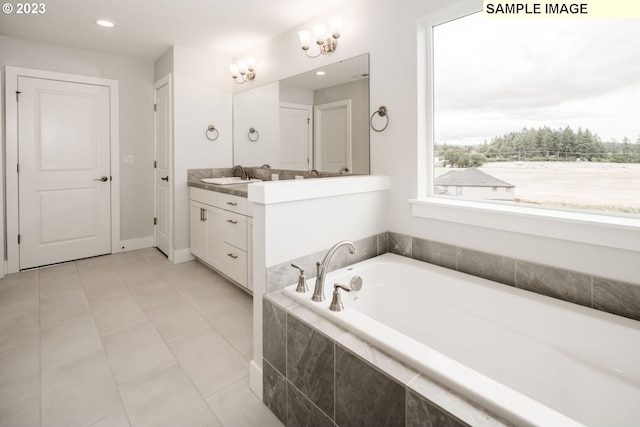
{"points": [[597, 228]]}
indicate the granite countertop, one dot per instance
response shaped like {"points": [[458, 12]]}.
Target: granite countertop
{"points": [[236, 189]]}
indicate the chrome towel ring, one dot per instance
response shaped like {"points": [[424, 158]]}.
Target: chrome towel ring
{"points": [[251, 132], [382, 112], [212, 133]]}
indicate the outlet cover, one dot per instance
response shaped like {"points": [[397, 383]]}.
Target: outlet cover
{"points": [[128, 159]]}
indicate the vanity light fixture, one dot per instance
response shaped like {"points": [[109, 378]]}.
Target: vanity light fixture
{"points": [[325, 43], [244, 70]]}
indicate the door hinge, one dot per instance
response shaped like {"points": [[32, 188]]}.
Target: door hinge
{"points": [[18, 167], [308, 121], [155, 164], [155, 108], [17, 93], [155, 221], [18, 239]]}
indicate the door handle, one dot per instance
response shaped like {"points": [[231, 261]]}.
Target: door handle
{"points": [[230, 255], [102, 178], [166, 178], [232, 221]]}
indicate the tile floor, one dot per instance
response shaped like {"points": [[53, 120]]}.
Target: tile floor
{"points": [[126, 340]]}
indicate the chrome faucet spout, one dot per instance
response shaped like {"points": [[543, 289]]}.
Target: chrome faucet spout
{"points": [[322, 267], [243, 172]]}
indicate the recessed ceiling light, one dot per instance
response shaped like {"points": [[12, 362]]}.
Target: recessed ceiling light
{"points": [[105, 23], [320, 73]]}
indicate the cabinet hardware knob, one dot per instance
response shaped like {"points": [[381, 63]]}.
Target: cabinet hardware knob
{"points": [[232, 255], [232, 221], [232, 203]]}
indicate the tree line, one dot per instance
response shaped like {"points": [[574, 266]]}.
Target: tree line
{"points": [[541, 144]]}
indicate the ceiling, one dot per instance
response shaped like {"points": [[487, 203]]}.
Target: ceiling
{"points": [[147, 28]]}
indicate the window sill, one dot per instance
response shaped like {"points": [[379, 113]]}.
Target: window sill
{"points": [[611, 231]]}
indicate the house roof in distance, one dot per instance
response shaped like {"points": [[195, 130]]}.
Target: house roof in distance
{"points": [[470, 177]]}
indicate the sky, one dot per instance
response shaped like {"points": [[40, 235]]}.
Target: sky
{"points": [[494, 76]]}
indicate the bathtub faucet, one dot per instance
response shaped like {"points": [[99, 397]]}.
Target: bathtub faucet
{"points": [[318, 292]]}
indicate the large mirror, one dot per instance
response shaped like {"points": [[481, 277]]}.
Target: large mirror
{"points": [[315, 120]]}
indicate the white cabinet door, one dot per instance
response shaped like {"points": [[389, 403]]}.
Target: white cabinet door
{"points": [[198, 230]]}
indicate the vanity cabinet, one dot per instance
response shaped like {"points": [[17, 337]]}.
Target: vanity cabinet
{"points": [[221, 232]]}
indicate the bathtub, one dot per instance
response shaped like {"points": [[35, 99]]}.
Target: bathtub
{"points": [[531, 359]]}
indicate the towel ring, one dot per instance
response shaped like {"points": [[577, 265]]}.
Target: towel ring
{"points": [[382, 112], [251, 132], [213, 131]]}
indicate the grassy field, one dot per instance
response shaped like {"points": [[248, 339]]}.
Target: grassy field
{"points": [[582, 185]]}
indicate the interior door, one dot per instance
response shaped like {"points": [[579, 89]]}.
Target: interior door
{"points": [[162, 136], [64, 181], [295, 137], [332, 136]]}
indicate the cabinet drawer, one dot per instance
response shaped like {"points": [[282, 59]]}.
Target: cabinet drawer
{"points": [[234, 229], [234, 264], [224, 201]]}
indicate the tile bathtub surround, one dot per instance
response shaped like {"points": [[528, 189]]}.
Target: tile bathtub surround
{"points": [[370, 388], [616, 297], [282, 275], [127, 339]]}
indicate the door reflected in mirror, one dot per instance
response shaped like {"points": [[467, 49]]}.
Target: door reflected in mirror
{"points": [[315, 120]]}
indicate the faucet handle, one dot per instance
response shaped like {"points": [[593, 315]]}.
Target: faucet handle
{"points": [[302, 282]]}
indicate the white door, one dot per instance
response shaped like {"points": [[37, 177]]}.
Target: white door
{"points": [[295, 137], [64, 181], [332, 136], [162, 136]]}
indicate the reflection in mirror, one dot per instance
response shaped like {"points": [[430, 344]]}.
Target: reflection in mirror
{"points": [[321, 120]]}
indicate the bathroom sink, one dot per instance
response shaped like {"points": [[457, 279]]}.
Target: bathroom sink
{"points": [[228, 180]]}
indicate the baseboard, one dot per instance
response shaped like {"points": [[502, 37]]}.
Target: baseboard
{"points": [[182, 255], [255, 379], [134, 244]]}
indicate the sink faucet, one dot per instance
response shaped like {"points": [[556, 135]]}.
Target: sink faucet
{"points": [[314, 172], [243, 172], [318, 292]]}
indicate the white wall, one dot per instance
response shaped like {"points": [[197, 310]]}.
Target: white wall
{"points": [[388, 31], [201, 97], [135, 79], [259, 109]]}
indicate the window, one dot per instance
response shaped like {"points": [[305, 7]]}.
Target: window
{"points": [[547, 108], [487, 99]]}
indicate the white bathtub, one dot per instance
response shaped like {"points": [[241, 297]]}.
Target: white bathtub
{"points": [[532, 359]]}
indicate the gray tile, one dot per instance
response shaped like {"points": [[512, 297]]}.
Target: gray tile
{"points": [[237, 406], [19, 374], [422, 413], [383, 243], [365, 396], [282, 275], [616, 297], [366, 248], [166, 397], [209, 360], [488, 266], [310, 363], [435, 253], [23, 413], [554, 282], [274, 335], [399, 244], [274, 391], [80, 393], [301, 412]]}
